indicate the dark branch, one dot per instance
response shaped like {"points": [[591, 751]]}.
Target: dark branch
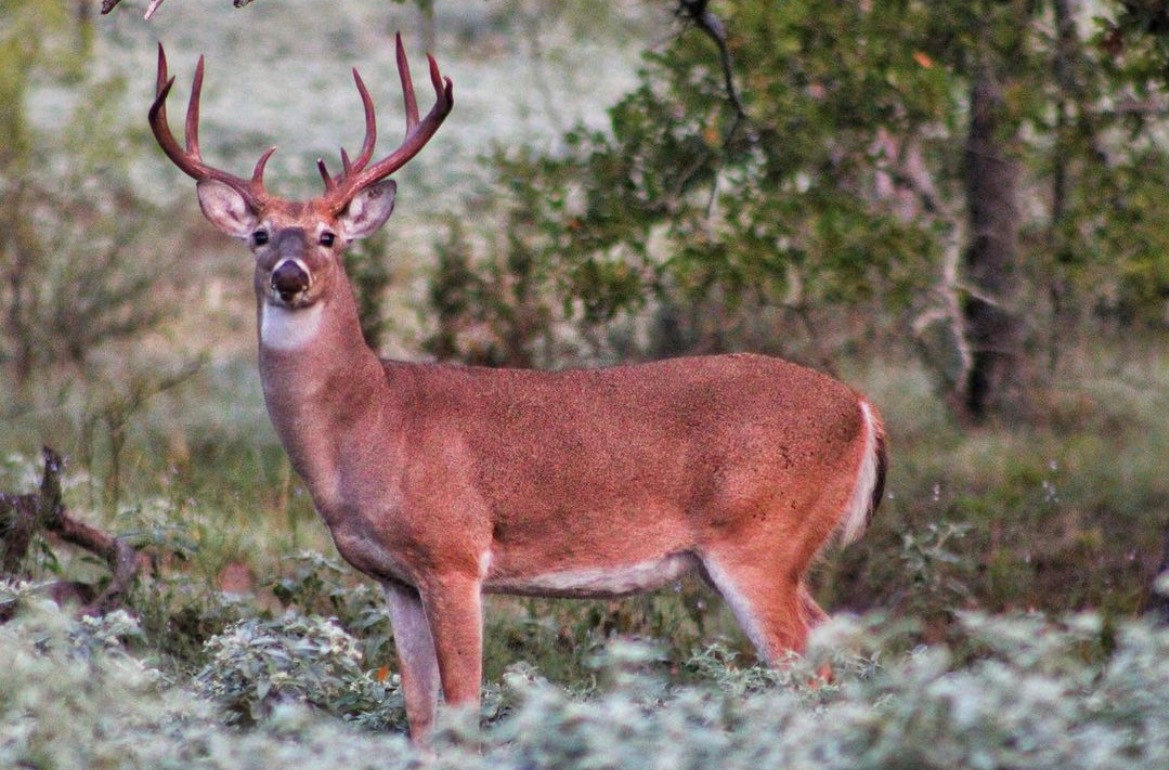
{"points": [[697, 13]]}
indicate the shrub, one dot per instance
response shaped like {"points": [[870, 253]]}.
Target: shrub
{"points": [[1020, 691], [257, 664]]}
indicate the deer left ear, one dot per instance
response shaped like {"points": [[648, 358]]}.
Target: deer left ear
{"points": [[368, 210]]}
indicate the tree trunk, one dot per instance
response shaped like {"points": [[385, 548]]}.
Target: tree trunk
{"points": [[1065, 66], [994, 385]]}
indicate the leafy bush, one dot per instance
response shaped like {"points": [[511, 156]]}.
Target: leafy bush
{"points": [[257, 664], [1007, 692]]}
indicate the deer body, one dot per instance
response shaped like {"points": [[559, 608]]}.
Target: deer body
{"points": [[447, 482]]}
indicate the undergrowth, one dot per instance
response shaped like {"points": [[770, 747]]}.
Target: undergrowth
{"points": [[1019, 691]]}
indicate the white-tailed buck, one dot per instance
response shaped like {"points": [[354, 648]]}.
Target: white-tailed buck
{"points": [[445, 482]]}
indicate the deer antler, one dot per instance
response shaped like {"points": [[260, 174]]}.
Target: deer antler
{"points": [[190, 160], [355, 176]]}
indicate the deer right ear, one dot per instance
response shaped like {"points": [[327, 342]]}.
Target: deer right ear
{"points": [[225, 208]]}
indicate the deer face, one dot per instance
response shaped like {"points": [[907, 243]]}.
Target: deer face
{"points": [[298, 246]]}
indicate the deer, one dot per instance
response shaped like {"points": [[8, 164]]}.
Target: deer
{"points": [[445, 482]]}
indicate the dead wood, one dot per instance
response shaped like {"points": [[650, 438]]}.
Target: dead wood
{"points": [[109, 5], [22, 516]]}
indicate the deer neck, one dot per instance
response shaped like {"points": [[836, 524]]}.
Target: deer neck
{"points": [[322, 384]]}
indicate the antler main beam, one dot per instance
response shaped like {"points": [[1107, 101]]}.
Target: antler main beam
{"points": [[356, 176], [190, 158]]}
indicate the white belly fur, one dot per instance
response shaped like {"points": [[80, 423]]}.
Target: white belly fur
{"points": [[597, 582]]}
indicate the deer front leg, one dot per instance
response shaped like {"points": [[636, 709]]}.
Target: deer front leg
{"points": [[454, 609], [416, 657]]}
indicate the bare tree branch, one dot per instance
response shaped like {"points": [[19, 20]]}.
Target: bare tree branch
{"points": [[696, 12], [109, 5]]}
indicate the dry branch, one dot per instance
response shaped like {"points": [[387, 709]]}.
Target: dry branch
{"points": [[109, 5], [696, 12], [22, 516]]}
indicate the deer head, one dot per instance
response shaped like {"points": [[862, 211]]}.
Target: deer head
{"points": [[298, 244]]}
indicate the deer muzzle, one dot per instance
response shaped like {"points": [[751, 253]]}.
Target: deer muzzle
{"points": [[290, 279]]}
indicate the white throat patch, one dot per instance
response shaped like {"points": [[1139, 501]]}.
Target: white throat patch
{"points": [[284, 329]]}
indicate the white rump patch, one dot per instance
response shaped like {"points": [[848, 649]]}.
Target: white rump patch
{"points": [[284, 329], [856, 517]]}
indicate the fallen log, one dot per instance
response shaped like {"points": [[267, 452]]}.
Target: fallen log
{"points": [[22, 516]]}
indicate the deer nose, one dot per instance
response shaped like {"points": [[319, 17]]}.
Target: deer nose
{"points": [[289, 279]]}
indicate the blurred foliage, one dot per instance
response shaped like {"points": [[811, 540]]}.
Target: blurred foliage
{"points": [[368, 271], [822, 222], [74, 230]]}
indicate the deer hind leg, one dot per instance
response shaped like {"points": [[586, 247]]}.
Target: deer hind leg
{"points": [[814, 614], [416, 656], [774, 611]]}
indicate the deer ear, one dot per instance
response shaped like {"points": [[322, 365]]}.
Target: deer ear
{"points": [[368, 210], [226, 209]]}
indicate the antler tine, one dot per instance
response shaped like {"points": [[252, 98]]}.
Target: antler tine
{"points": [[330, 183], [351, 167], [418, 133], [443, 87], [192, 124], [161, 126], [190, 160], [162, 80], [411, 103], [366, 153], [258, 171]]}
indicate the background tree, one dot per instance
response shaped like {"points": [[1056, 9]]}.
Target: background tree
{"points": [[70, 280], [939, 164]]}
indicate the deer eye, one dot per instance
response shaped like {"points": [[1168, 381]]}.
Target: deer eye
{"points": [[260, 237], [328, 238]]}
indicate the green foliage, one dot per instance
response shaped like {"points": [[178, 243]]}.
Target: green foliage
{"points": [[318, 585], [1019, 691], [256, 664], [938, 572], [365, 264], [73, 234], [493, 311], [677, 206]]}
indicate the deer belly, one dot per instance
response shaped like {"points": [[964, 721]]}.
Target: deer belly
{"points": [[593, 582]]}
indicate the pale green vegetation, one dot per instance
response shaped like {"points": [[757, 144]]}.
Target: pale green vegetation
{"points": [[1007, 692], [997, 596]]}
